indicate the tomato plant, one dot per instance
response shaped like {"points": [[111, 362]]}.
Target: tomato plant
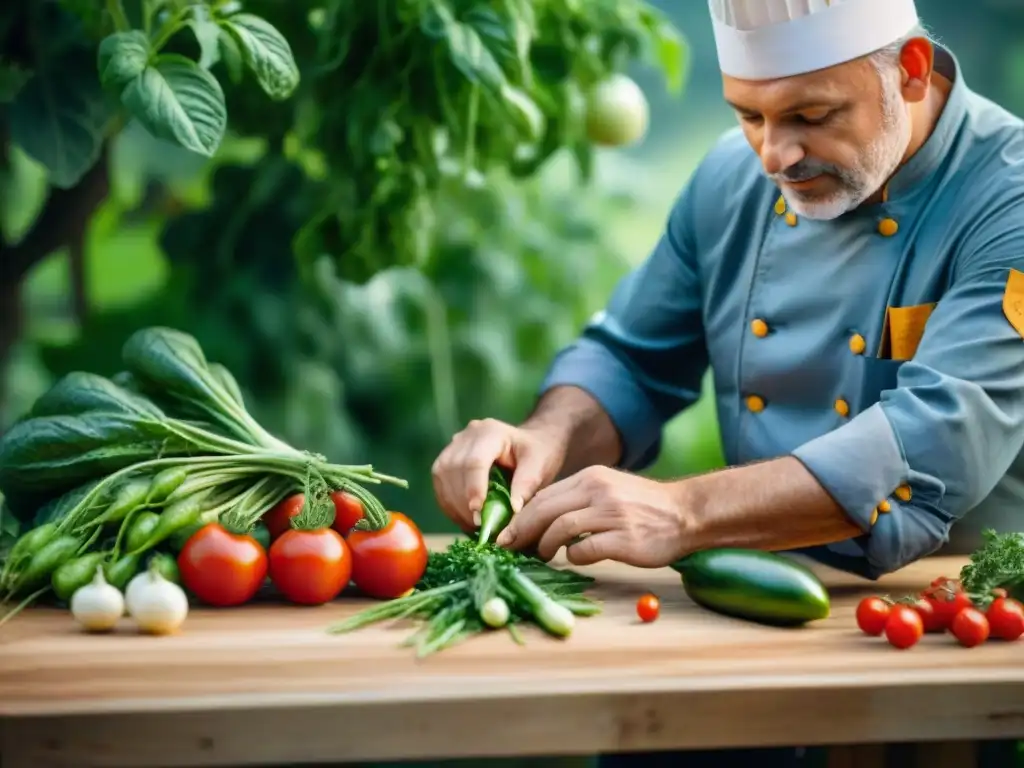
{"points": [[348, 510], [220, 567], [1006, 618], [389, 562], [970, 627], [310, 567], [904, 627], [872, 614], [279, 519], [648, 607]]}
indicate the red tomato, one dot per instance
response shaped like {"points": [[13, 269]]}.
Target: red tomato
{"points": [[310, 567], [348, 510], [222, 568], [931, 620], [948, 599], [1006, 618], [903, 627], [279, 519], [389, 562], [648, 607], [970, 627], [872, 613]]}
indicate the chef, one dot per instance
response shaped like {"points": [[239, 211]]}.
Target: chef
{"points": [[849, 262]]}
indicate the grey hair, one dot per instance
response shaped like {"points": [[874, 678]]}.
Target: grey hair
{"points": [[886, 63]]}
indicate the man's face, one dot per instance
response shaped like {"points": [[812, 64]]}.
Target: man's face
{"points": [[829, 139]]}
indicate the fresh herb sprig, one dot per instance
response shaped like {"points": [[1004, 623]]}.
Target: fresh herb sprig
{"points": [[998, 563], [471, 587]]}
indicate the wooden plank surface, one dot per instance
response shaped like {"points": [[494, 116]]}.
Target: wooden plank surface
{"points": [[265, 684]]}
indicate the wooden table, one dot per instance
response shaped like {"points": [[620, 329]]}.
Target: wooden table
{"points": [[265, 684]]}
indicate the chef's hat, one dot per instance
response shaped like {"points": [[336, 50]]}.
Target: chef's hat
{"points": [[767, 39]]}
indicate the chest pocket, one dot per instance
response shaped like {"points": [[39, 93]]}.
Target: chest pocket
{"points": [[902, 331]]}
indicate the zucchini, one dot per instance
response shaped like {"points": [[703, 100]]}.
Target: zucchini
{"points": [[754, 585]]}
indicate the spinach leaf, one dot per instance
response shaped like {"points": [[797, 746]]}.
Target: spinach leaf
{"points": [[80, 392], [55, 453], [227, 380]]}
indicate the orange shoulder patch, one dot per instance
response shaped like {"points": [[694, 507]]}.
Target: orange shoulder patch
{"points": [[1013, 300]]}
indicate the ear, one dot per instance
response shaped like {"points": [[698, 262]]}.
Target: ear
{"points": [[917, 60]]}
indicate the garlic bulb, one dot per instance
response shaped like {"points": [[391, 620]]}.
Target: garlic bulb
{"points": [[158, 606], [99, 605]]}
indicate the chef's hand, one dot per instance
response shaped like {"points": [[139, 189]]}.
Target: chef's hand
{"points": [[461, 472], [629, 519]]}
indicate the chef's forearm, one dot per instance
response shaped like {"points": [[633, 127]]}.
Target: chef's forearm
{"points": [[773, 505], [576, 420]]}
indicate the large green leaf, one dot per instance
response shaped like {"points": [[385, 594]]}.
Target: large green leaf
{"points": [[122, 57], [58, 118], [266, 53], [175, 99]]}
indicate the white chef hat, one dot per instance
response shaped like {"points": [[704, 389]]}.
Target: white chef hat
{"points": [[767, 39]]}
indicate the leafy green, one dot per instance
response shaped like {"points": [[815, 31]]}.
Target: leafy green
{"points": [[60, 115], [175, 99], [80, 392], [123, 56], [459, 581], [266, 53], [998, 563], [173, 363]]}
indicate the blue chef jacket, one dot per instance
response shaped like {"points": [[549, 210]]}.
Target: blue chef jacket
{"points": [[883, 349]]}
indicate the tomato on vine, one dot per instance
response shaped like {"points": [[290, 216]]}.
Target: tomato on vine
{"points": [[1006, 618], [279, 519], [948, 599], [388, 563], [222, 567], [348, 510], [311, 563], [872, 614], [970, 627], [904, 627]]}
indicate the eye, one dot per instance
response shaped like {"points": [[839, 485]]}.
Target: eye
{"points": [[815, 118], [751, 119]]}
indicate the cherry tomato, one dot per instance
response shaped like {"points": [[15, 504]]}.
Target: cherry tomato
{"points": [[310, 567], [648, 607], [931, 620], [279, 519], [948, 599], [904, 627], [970, 627], [389, 562], [222, 568], [1006, 618], [348, 510], [872, 613]]}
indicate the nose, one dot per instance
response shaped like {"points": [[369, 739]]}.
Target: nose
{"points": [[780, 150]]}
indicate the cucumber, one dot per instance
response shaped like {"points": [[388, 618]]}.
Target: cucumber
{"points": [[754, 585]]}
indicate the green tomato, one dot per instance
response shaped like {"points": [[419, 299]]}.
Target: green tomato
{"points": [[617, 112]]}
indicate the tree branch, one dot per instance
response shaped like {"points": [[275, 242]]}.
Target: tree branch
{"points": [[65, 216]]}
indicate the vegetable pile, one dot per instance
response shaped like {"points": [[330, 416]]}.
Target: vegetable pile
{"points": [[474, 586], [112, 473], [982, 604]]}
